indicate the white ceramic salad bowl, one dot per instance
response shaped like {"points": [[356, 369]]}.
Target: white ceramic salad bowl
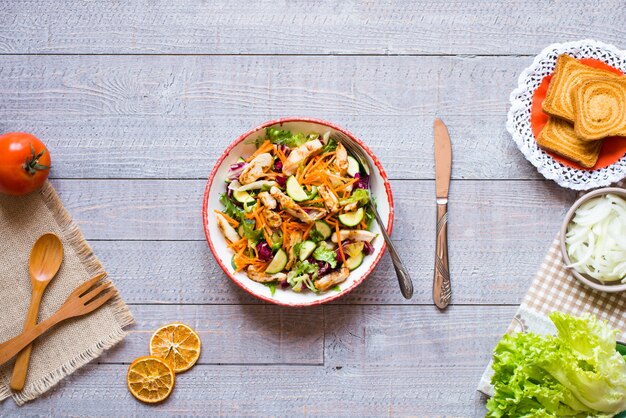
{"points": [[244, 146]]}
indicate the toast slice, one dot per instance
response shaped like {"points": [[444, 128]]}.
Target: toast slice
{"points": [[559, 137], [600, 108], [569, 74]]}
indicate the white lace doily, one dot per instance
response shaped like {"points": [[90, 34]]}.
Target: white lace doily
{"points": [[518, 123]]}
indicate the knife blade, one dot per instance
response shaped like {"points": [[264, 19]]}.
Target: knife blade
{"points": [[443, 159], [442, 289]]}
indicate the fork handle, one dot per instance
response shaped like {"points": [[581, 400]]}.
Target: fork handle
{"points": [[404, 280], [13, 346], [442, 289]]}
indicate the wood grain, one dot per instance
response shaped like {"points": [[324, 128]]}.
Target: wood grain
{"points": [[172, 116], [303, 27], [224, 86], [395, 360], [499, 232], [137, 99], [235, 334], [171, 209], [188, 146]]}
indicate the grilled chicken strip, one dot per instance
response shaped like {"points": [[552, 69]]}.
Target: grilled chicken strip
{"points": [[332, 279], [341, 159], [354, 235], [273, 219], [261, 277], [298, 155], [330, 200], [351, 207], [267, 200], [295, 238], [294, 209], [256, 168], [228, 231]]}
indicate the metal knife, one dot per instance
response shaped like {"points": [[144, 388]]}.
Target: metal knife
{"points": [[442, 290]]}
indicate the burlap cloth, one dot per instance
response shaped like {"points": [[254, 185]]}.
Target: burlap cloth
{"points": [[555, 289], [75, 342]]}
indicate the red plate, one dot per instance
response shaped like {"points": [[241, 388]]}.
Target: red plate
{"points": [[613, 148]]}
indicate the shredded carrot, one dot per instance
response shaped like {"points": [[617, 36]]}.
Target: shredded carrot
{"points": [[267, 146], [283, 227], [363, 225], [308, 230], [253, 214], [230, 220], [342, 188], [239, 245], [299, 174], [318, 200], [281, 156]]}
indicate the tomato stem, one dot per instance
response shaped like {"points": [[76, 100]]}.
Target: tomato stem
{"points": [[32, 163]]}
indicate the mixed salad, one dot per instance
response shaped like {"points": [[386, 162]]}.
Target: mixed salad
{"points": [[296, 212]]}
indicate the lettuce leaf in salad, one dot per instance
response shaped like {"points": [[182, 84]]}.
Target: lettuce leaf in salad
{"points": [[322, 253], [360, 196], [329, 146], [303, 273], [369, 218], [231, 209], [253, 235], [316, 235], [577, 373], [280, 137]]}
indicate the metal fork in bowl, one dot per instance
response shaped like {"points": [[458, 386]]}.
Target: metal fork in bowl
{"points": [[84, 299], [404, 280]]}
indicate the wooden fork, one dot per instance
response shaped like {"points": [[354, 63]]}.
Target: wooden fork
{"points": [[81, 301]]}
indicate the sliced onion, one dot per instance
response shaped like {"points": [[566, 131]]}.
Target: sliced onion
{"points": [[235, 170], [596, 239]]}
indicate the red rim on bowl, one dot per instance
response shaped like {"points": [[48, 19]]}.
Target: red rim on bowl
{"points": [[219, 163]]}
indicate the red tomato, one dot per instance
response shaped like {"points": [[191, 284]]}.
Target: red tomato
{"points": [[24, 163]]}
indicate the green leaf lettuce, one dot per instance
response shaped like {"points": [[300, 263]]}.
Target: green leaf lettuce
{"points": [[576, 373]]}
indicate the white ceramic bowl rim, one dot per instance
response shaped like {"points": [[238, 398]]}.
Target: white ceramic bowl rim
{"points": [[583, 278], [327, 296]]}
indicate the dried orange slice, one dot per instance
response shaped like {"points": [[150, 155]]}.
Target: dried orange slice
{"points": [[150, 379], [177, 344]]}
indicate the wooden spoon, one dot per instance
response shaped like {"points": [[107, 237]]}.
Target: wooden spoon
{"points": [[45, 261]]}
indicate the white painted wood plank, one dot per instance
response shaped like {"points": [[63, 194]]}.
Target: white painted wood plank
{"points": [[379, 361], [224, 86], [187, 147], [233, 334], [171, 209], [499, 232], [280, 391], [172, 116], [304, 27]]}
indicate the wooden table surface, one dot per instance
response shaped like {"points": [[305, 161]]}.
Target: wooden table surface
{"points": [[137, 99]]}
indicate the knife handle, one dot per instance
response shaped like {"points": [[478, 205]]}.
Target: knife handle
{"points": [[442, 290]]}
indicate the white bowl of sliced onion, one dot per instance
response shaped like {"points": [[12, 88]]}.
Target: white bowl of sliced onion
{"points": [[593, 239]]}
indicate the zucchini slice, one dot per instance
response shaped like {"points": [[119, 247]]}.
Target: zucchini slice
{"points": [[353, 166], [355, 255], [324, 229], [352, 218], [306, 249], [355, 261], [295, 191], [242, 196], [278, 263]]}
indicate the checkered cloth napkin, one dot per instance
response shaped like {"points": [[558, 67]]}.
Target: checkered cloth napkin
{"points": [[555, 289]]}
